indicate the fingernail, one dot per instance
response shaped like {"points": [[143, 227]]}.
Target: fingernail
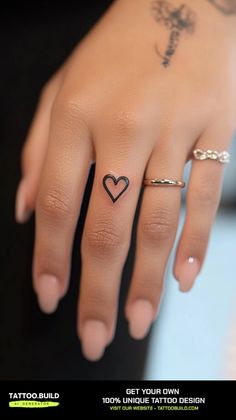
{"points": [[188, 273], [22, 214], [140, 318], [48, 293], [94, 339]]}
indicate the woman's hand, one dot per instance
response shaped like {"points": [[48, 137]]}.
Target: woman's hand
{"points": [[151, 82]]}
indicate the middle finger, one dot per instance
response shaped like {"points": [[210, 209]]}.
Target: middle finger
{"points": [[106, 242]]}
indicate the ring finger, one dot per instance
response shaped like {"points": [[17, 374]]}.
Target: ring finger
{"points": [[156, 233]]}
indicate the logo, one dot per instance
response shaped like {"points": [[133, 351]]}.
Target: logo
{"points": [[33, 400]]}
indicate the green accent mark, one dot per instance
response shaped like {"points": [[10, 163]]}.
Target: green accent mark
{"points": [[33, 404]]}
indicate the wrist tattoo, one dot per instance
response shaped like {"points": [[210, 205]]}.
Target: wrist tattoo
{"points": [[227, 7], [177, 20]]}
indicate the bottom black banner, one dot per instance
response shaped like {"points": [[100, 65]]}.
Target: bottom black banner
{"points": [[116, 399]]}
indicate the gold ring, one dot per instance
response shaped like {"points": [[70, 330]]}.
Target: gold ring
{"points": [[163, 182]]}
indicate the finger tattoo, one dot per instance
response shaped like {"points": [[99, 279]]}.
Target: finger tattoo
{"points": [[115, 186]]}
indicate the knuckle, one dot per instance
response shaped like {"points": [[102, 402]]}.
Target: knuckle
{"points": [[69, 110], [158, 226], [148, 288], [98, 306], [104, 239], [205, 193], [127, 123], [197, 238], [54, 203]]}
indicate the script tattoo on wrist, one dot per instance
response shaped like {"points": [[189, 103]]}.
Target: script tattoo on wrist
{"points": [[177, 20], [227, 7]]}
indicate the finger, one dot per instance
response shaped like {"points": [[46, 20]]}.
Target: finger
{"points": [[58, 204], [105, 245], [156, 233], [34, 151], [202, 202]]}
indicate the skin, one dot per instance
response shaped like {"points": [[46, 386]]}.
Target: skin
{"points": [[114, 102], [227, 7]]}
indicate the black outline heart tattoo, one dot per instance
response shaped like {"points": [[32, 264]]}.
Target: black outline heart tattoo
{"points": [[116, 182]]}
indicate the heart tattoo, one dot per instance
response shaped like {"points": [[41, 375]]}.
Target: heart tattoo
{"points": [[115, 187]]}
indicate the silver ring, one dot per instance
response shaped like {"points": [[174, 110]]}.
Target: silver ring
{"points": [[221, 157]]}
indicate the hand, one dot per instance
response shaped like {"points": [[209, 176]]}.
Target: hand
{"points": [[150, 82]]}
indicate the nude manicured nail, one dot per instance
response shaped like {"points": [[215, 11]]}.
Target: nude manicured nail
{"points": [[188, 273], [94, 339], [48, 293], [22, 214], [140, 318]]}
